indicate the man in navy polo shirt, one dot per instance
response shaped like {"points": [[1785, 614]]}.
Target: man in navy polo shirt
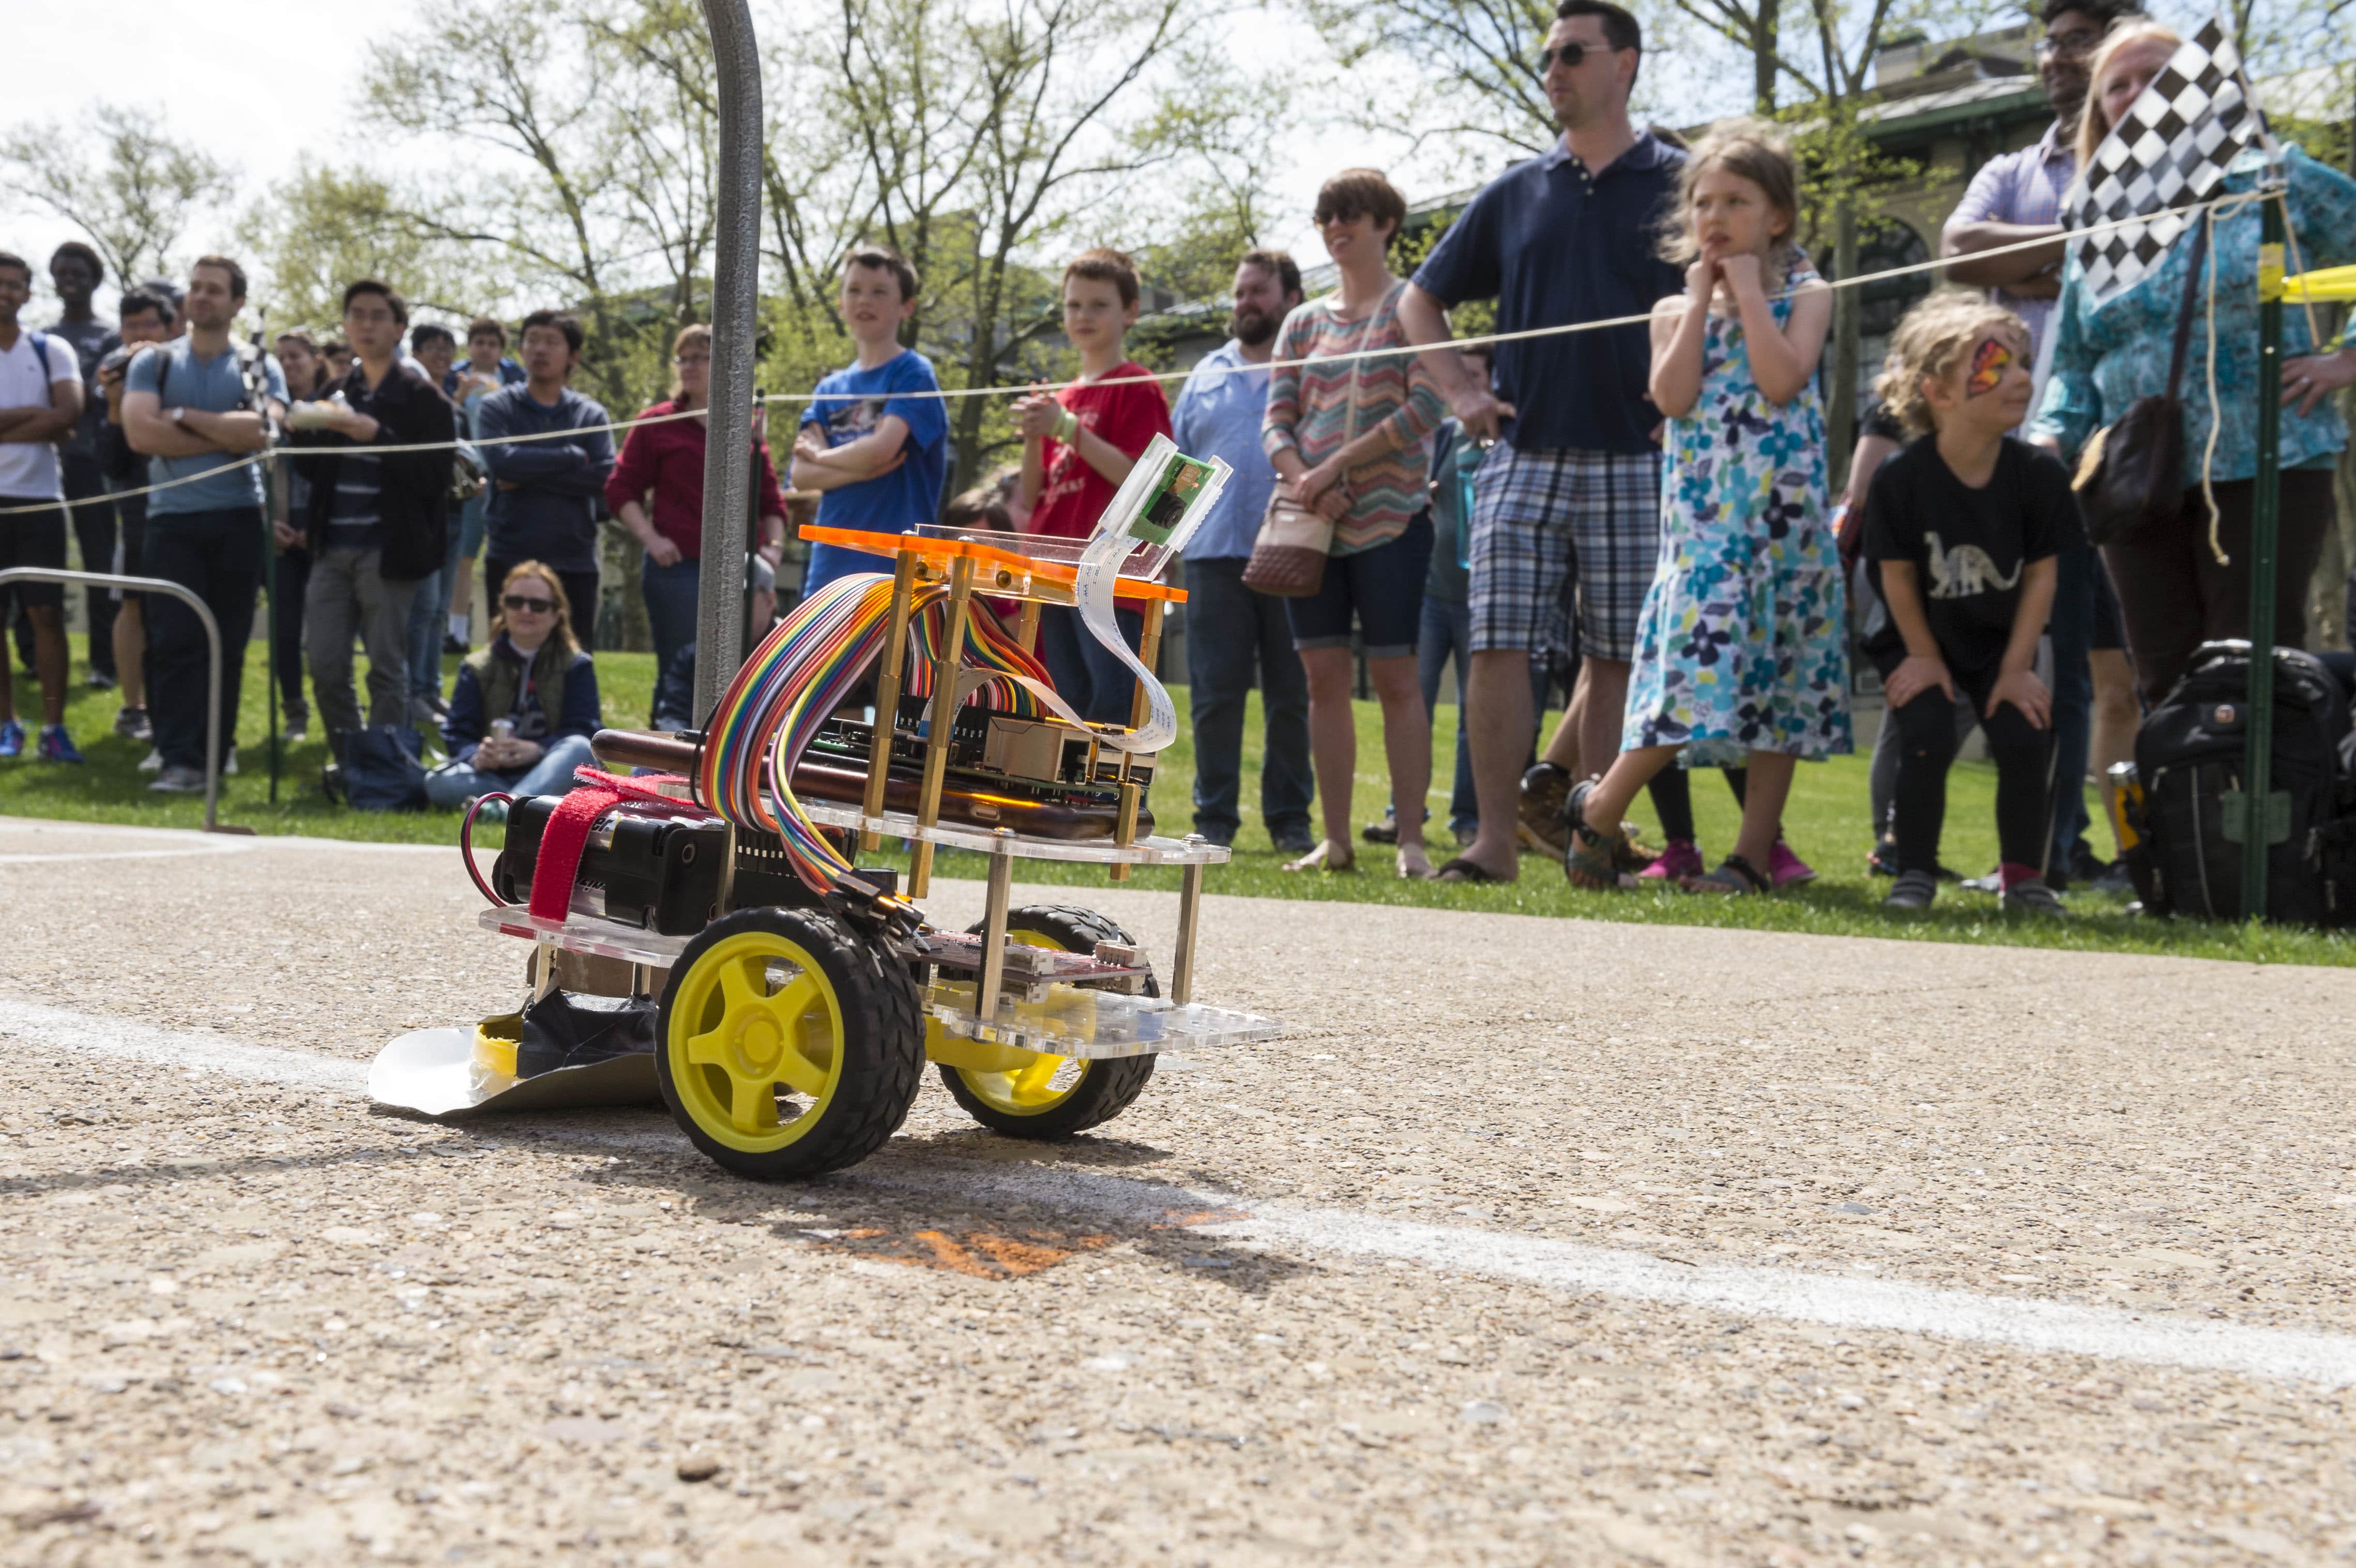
{"points": [[1572, 492]]}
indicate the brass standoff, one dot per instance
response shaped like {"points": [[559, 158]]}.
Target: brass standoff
{"points": [[887, 693], [1026, 630], [991, 979], [937, 751]]}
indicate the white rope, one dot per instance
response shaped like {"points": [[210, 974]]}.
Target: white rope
{"points": [[946, 393]]}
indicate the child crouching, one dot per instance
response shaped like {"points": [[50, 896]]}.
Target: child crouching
{"points": [[1962, 529]]}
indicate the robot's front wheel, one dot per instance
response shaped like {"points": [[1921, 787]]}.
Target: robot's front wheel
{"points": [[1055, 1096], [789, 1048]]}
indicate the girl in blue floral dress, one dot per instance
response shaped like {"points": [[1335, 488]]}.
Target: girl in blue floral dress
{"points": [[1742, 653]]}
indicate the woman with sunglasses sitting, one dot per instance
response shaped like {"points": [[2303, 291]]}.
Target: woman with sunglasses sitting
{"points": [[526, 704]]}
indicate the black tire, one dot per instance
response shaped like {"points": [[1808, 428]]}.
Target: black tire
{"points": [[876, 1064], [1106, 1086]]}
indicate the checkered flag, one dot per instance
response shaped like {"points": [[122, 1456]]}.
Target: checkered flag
{"points": [[2168, 150]]}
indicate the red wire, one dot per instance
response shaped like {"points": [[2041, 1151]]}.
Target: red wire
{"points": [[466, 845]]}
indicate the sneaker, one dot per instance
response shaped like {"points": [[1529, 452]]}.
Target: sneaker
{"points": [[1383, 832], [1991, 883], [493, 813], [1296, 843], [12, 737], [1884, 861], [1785, 868], [2115, 878], [450, 646], [229, 764], [153, 761], [1912, 894], [179, 780], [1546, 792], [2032, 898], [56, 746], [1680, 857], [102, 681], [298, 729], [131, 725]]}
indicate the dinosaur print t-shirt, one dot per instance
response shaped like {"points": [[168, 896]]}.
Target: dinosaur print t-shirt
{"points": [[1969, 545]]}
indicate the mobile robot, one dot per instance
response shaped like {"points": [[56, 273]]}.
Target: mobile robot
{"points": [[701, 931]]}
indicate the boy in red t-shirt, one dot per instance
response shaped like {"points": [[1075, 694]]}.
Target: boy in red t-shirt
{"points": [[1077, 446]]}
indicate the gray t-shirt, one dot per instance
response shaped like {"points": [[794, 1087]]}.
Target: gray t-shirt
{"points": [[93, 341], [216, 386]]}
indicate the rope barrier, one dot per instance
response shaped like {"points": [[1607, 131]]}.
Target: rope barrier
{"points": [[1032, 388]]}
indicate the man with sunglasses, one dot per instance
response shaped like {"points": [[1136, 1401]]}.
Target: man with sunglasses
{"points": [[2015, 197], [1572, 492]]}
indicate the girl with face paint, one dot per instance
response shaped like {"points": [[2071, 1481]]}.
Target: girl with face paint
{"points": [[1962, 529]]}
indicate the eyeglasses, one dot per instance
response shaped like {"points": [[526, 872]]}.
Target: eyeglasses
{"points": [[537, 606], [1572, 55]]}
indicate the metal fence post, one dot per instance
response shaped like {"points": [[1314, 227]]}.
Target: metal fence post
{"points": [[736, 306], [2266, 503], [212, 640]]}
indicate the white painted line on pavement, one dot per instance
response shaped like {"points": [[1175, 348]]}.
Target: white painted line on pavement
{"points": [[1569, 1267], [59, 1030]]}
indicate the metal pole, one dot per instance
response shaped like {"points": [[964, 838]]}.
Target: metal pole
{"points": [[736, 302], [212, 640], [2265, 502]]}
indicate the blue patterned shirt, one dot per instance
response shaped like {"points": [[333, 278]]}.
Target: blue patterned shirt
{"points": [[2107, 355]]}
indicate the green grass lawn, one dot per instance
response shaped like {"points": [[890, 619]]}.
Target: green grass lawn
{"points": [[1826, 822]]}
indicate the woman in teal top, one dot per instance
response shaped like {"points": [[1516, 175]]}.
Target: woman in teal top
{"points": [[2173, 592]]}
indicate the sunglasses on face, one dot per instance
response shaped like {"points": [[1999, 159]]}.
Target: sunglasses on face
{"points": [[1572, 55], [537, 606]]}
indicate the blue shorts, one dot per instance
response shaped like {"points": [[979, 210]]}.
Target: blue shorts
{"points": [[1381, 589]]}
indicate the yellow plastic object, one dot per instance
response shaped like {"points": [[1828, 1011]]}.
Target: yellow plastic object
{"points": [[2321, 287], [495, 1045], [1034, 1084], [754, 1014]]}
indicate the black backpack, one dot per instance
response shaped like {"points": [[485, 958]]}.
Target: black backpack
{"points": [[2189, 757]]}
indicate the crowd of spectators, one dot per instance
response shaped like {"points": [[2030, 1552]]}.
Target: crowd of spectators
{"points": [[1641, 512]]}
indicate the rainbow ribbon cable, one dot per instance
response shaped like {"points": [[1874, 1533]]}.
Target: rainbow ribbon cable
{"points": [[800, 674]]}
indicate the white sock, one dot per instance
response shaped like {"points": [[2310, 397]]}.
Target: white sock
{"points": [[459, 627]]}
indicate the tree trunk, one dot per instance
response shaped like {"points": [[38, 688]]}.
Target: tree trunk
{"points": [[1840, 415], [1765, 39]]}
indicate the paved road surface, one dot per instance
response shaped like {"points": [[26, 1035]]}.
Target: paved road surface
{"points": [[1538, 1241]]}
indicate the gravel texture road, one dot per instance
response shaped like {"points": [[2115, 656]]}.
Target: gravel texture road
{"points": [[1534, 1242]]}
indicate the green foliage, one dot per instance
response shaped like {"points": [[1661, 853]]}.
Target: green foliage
{"points": [[121, 179]]}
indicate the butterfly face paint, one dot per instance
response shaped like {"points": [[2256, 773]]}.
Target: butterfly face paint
{"points": [[1989, 362]]}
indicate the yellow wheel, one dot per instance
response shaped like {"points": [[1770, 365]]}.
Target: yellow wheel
{"points": [[789, 1048], [1055, 1096]]}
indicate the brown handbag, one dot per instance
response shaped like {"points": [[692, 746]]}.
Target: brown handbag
{"points": [[1287, 558], [2130, 479]]}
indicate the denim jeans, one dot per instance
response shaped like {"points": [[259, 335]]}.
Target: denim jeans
{"points": [[1446, 632], [428, 624], [1230, 633], [218, 554], [1086, 673], [672, 599], [93, 527], [2072, 628], [456, 784], [287, 630]]}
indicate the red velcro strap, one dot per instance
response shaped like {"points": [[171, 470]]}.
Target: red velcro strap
{"points": [[561, 843]]}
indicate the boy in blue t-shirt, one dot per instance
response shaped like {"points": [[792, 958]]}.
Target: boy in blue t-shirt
{"points": [[873, 438]]}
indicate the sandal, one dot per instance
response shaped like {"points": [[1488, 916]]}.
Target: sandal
{"points": [[1594, 859], [1460, 870], [1321, 858], [1734, 875]]}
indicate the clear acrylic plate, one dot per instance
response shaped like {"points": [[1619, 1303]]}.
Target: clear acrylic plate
{"points": [[1101, 851], [585, 933], [1095, 1025]]}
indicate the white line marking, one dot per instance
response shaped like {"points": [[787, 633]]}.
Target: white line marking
{"points": [[57, 1029], [1571, 1267]]}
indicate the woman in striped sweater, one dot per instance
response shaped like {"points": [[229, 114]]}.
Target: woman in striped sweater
{"points": [[1351, 437]]}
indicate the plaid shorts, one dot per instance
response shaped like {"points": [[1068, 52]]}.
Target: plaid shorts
{"points": [[1545, 518]]}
